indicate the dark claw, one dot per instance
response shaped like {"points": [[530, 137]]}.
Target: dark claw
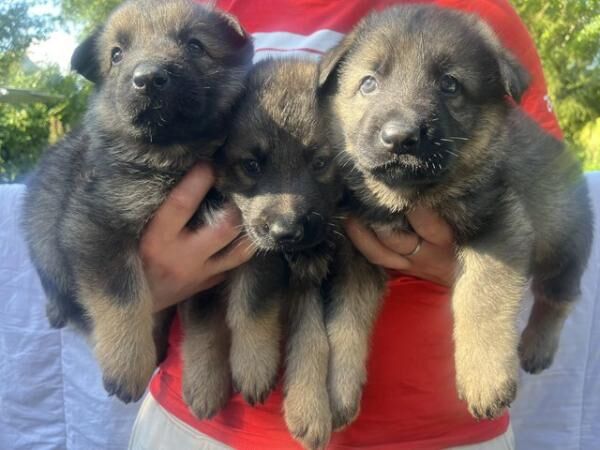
{"points": [[536, 365], [344, 416], [300, 433], [257, 397], [114, 388], [55, 317], [200, 409], [508, 394]]}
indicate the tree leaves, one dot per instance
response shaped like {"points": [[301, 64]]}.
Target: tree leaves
{"points": [[567, 35]]}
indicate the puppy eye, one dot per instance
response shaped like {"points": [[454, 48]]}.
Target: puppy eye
{"points": [[449, 85], [319, 164], [368, 85], [195, 45], [251, 167], [116, 55]]}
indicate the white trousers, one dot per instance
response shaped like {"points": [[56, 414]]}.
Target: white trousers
{"points": [[156, 429]]}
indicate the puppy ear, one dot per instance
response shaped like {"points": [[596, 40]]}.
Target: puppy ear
{"points": [[515, 77], [85, 58], [332, 60], [237, 35]]}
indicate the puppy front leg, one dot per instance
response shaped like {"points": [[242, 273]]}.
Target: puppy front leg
{"points": [[306, 402], [120, 307], [162, 327], [356, 293], [487, 294], [253, 315], [205, 351], [561, 255], [541, 337]]}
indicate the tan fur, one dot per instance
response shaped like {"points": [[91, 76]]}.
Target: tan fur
{"points": [[486, 301], [356, 296], [127, 359], [306, 403], [205, 346], [255, 346], [470, 170]]}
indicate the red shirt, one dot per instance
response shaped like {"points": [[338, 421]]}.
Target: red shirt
{"points": [[409, 400]]}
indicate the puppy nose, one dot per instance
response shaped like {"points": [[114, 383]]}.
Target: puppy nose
{"points": [[398, 138], [148, 77], [286, 232]]}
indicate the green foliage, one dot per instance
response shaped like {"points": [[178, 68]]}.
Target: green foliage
{"points": [[567, 35], [25, 130], [17, 30], [88, 13], [588, 141]]}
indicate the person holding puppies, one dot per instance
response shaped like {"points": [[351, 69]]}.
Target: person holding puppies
{"points": [[410, 399]]}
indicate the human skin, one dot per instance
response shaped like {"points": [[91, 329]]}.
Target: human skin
{"points": [[179, 262]]}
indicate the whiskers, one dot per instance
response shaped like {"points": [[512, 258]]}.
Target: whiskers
{"points": [[459, 138], [334, 228], [344, 161], [245, 236]]}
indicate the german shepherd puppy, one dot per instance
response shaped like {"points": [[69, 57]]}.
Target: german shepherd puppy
{"points": [[167, 75], [277, 167], [419, 94]]}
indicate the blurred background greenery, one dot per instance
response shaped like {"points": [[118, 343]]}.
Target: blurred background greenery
{"points": [[39, 102]]}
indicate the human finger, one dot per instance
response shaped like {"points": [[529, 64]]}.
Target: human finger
{"points": [[366, 241], [403, 243], [182, 202], [240, 252], [214, 238], [430, 226]]}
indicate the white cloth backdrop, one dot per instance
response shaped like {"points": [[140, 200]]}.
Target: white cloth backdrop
{"points": [[51, 395]]}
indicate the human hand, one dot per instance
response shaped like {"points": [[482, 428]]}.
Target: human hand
{"points": [[427, 253], [179, 262]]}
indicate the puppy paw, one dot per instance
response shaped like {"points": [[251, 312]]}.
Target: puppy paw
{"points": [[55, 316], [487, 382], [309, 423], [537, 350], [254, 371], [206, 393], [125, 390], [343, 415], [344, 398], [128, 384], [488, 397], [126, 373], [253, 389]]}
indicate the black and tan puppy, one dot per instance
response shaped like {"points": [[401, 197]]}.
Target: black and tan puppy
{"points": [[167, 75], [277, 167], [419, 94]]}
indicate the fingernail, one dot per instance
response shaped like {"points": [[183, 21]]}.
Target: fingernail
{"points": [[228, 214], [384, 233], [249, 249], [232, 211]]}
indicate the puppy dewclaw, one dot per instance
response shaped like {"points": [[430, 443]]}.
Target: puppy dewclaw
{"points": [[167, 75], [419, 97]]}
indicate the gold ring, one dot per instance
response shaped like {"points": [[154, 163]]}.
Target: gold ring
{"points": [[417, 247]]}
